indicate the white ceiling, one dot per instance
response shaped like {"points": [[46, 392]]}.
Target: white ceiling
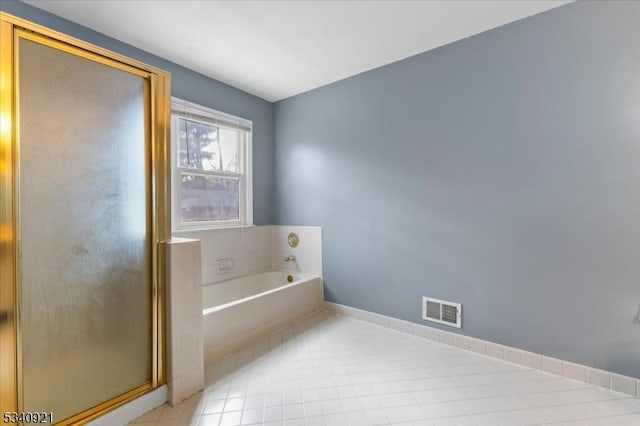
{"points": [[276, 49]]}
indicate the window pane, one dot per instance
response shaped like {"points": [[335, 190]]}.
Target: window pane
{"points": [[207, 147], [183, 149], [206, 198], [229, 143]]}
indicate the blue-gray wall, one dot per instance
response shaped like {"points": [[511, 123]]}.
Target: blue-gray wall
{"points": [[501, 171], [191, 86]]}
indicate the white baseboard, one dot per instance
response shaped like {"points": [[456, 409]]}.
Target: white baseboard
{"points": [[132, 410], [605, 379]]}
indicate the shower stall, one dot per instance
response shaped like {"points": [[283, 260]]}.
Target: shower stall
{"points": [[83, 214]]}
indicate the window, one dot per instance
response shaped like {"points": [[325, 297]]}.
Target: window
{"points": [[211, 157]]}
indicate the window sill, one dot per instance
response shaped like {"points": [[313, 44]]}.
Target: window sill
{"points": [[209, 228]]}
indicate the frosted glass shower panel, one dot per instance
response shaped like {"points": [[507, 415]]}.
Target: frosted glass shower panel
{"points": [[84, 209]]}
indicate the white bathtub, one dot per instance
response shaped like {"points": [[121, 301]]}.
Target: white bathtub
{"points": [[242, 309]]}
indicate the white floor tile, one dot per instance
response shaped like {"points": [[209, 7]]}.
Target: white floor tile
{"points": [[333, 370]]}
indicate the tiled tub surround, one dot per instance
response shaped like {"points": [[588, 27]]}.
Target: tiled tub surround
{"points": [[249, 248], [185, 372], [256, 249], [240, 310], [334, 370], [308, 253], [234, 260], [604, 379]]}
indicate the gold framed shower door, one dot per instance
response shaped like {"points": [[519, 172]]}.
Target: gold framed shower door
{"points": [[157, 105]]}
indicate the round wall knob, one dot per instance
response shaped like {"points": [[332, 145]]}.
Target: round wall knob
{"points": [[293, 239]]}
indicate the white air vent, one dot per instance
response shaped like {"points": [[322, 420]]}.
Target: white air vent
{"points": [[442, 312]]}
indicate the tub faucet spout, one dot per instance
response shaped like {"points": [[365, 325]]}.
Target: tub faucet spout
{"points": [[290, 258]]}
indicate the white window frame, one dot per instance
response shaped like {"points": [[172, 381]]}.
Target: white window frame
{"points": [[194, 112]]}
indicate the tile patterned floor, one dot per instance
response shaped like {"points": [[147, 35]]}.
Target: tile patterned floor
{"points": [[331, 370]]}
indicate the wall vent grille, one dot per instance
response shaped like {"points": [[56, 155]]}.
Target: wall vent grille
{"points": [[442, 312]]}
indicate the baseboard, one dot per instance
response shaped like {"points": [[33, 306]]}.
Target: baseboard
{"points": [[134, 409], [604, 379]]}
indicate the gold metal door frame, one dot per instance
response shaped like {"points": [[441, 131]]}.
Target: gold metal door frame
{"points": [[158, 122], [8, 335]]}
